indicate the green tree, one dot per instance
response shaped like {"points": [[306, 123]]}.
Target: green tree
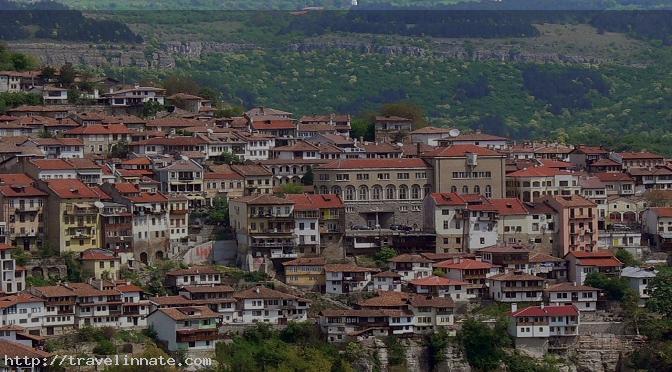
{"points": [[227, 157], [483, 346], [120, 150], [396, 352], [291, 188], [151, 108], [67, 75], [308, 177], [105, 347], [363, 127], [615, 287], [229, 112], [383, 255], [660, 292], [436, 346], [408, 110], [626, 257], [180, 84], [219, 212], [48, 73], [21, 256]]}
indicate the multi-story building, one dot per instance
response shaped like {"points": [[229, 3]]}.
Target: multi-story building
{"points": [[264, 227], [260, 304], [23, 310], [183, 177], [193, 276], [150, 224], [432, 135], [99, 138], [227, 185], [473, 272], [60, 302], [190, 328], [583, 297], [133, 96], [134, 307], [637, 159], [639, 279], [331, 216], [305, 272], [577, 223], [531, 184], [258, 180], [585, 156], [510, 257], [657, 227], [116, 222], [440, 287], [218, 297], [386, 281], [346, 278], [97, 306], [515, 287], [178, 214], [392, 128], [617, 183], [12, 278], [100, 264], [580, 264], [468, 169], [534, 328], [377, 192], [411, 266], [343, 325], [311, 125], [72, 216], [22, 218], [58, 148]]}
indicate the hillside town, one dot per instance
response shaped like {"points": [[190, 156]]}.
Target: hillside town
{"points": [[406, 234]]}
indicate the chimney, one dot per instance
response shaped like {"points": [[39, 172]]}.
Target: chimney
{"points": [[541, 306], [514, 307]]}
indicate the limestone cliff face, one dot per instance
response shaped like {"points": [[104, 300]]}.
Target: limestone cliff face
{"points": [[417, 358], [165, 55]]}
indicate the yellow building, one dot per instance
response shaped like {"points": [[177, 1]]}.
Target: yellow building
{"points": [[306, 273], [73, 219], [101, 264]]}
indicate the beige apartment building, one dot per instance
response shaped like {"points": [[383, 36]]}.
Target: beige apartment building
{"points": [[377, 192], [468, 169], [577, 224]]}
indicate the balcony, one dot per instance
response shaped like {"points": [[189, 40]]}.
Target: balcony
{"points": [[28, 209], [522, 289], [192, 335], [279, 253], [267, 244]]}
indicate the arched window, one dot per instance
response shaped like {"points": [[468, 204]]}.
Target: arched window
{"points": [[363, 193], [415, 192], [465, 189], [350, 193], [488, 191], [390, 192], [477, 189], [453, 188], [336, 190], [377, 192], [324, 190], [403, 192]]}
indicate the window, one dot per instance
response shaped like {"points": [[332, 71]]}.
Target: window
{"points": [[477, 189], [465, 189], [403, 176], [362, 176], [415, 192], [363, 193], [488, 191], [383, 176], [377, 192], [403, 192], [350, 193], [342, 177], [390, 192]]}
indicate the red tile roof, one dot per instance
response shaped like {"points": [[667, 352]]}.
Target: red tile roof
{"points": [[10, 349], [509, 206], [613, 177], [632, 155], [601, 258], [222, 176], [568, 287], [464, 264], [539, 311], [16, 179], [51, 164], [460, 151], [406, 257], [261, 292], [148, 197], [436, 281], [448, 199], [272, 124], [99, 129], [537, 172], [18, 191], [317, 261], [375, 164], [315, 201], [71, 189], [350, 268]]}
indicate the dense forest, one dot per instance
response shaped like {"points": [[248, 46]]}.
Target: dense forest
{"points": [[54, 21]]}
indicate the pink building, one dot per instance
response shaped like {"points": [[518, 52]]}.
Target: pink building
{"points": [[577, 223]]}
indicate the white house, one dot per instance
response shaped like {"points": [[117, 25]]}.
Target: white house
{"points": [[195, 275], [262, 304], [386, 281], [514, 287], [533, 326], [639, 279], [583, 297], [23, 310], [346, 278], [440, 287], [411, 266], [190, 328]]}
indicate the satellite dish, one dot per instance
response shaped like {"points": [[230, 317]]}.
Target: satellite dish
{"points": [[99, 204], [454, 132]]}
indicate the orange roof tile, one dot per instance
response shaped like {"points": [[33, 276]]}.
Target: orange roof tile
{"points": [[375, 164], [460, 151]]}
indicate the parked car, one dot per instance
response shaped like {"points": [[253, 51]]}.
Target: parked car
{"points": [[361, 227], [397, 227]]}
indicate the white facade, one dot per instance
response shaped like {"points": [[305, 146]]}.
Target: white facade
{"points": [[167, 330]]}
